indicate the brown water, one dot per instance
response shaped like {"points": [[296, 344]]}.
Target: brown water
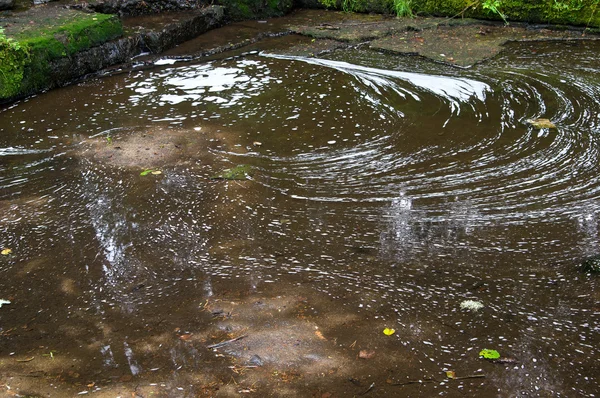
{"points": [[386, 190]]}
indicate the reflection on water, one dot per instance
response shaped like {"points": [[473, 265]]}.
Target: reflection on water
{"points": [[393, 186]]}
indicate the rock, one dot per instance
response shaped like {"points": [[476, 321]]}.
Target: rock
{"points": [[541, 123], [7, 4], [255, 360]]}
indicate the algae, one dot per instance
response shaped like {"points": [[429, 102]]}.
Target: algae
{"points": [[238, 173]]}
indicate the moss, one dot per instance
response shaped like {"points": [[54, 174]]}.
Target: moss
{"points": [[29, 70], [240, 172], [14, 57]]}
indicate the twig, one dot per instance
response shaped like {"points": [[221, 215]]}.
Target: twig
{"points": [[469, 377], [412, 382], [223, 343], [368, 389]]}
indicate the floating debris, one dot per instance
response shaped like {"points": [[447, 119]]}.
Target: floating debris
{"points": [[2, 302], [489, 354], [150, 171], [541, 123], [471, 305]]}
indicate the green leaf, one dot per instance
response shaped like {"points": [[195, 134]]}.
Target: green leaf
{"points": [[146, 172], [489, 354]]}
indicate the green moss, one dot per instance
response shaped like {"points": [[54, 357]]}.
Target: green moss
{"points": [[28, 70], [14, 57], [240, 172]]}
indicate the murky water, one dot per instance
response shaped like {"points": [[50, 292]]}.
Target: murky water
{"points": [[393, 186]]}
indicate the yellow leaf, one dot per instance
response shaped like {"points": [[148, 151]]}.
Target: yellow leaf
{"points": [[388, 331], [6, 252], [157, 172], [451, 374]]}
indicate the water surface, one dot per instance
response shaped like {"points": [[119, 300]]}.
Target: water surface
{"points": [[392, 186]]}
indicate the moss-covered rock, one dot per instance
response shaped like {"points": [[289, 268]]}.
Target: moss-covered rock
{"points": [[13, 59], [28, 49]]}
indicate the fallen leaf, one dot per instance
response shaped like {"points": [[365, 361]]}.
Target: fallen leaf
{"points": [[320, 335], [541, 123], [388, 331], [6, 252], [146, 172], [157, 172], [364, 354], [489, 354], [451, 374]]}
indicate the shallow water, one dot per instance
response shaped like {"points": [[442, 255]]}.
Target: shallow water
{"points": [[393, 186]]}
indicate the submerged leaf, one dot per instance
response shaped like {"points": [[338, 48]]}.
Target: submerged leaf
{"points": [[489, 354], [388, 331]]}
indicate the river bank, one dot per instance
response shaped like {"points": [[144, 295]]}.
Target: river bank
{"points": [[50, 46]]}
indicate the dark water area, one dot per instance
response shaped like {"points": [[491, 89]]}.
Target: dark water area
{"points": [[389, 189]]}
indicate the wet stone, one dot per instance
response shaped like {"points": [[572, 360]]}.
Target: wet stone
{"points": [[255, 360]]}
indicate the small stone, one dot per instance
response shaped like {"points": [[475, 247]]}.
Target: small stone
{"points": [[255, 360]]}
